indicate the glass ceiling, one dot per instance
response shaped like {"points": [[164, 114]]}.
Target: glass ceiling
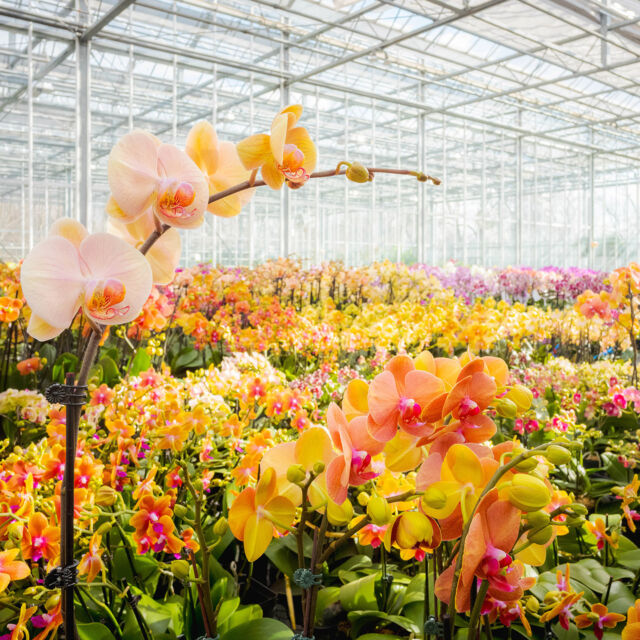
{"points": [[529, 110]]}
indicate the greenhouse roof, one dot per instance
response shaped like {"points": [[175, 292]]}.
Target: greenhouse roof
{"points": [[565, 73]]}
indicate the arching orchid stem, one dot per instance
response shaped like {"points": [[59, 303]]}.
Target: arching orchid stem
{"points": [[491, 485], [249, 184]]}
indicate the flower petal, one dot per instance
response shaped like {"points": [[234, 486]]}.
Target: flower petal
{"points": [[52, 281], [278, 137], [133, 172], [241, 510], [301, 138], [202, 147], [258, 533], [72, 230], [175, 165], [41, 330], [107, 256], [314, 445], [272, 175], [164, 256], [254, 151]]}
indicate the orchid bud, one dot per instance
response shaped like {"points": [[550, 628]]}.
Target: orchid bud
{"points": [[15, 531], [557, 455], [506, 408], [379, 511], [318, 468], [296, 474], [434, 498], [538, 519], [532, 604], [105, 527], [579, 508], [526, 465], [357, 172], [52, 601], [180, 569], [221, 526], [339, 514], [541, 535], [520, 396], [363, 498], [180, 511], [528, 493]]}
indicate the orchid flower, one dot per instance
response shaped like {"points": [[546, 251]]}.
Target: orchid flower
{"points": [[399, 396], [256, 514], [221, 166], [414, 534], [71, 269], [492, 534], [354, 467], [287, 154], [600, 618], [631, 630], [144, 173], [11, 569]]}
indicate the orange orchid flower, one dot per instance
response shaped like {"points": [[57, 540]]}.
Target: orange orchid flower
{"points": [[11, 569], [399, 396], [600, 618], [562, 609], [492, 534], [19, 629], [256, 514], [221, 166], [599, 529], [473, 392], [154, 525], [354, 466], [144, 173], [91, 562], [287, 154], [631, 630], [40, 539], [71, 269], [30, 365]]}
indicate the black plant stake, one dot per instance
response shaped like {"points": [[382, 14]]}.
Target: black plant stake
{"points": [[72, 396]]}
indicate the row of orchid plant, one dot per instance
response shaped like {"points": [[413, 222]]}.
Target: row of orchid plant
{"points": [[348, 468]]}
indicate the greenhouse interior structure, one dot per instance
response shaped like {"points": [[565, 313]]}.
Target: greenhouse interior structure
{"points": [[319, 319]]}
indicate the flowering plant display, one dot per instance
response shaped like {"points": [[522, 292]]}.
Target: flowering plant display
{"points": [[283, 452]]}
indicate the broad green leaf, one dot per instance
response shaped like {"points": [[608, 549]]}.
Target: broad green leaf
{"points": [[367, 620], [93, 631], [359, 594], [326, 597], [141, 362], [258, 630]]}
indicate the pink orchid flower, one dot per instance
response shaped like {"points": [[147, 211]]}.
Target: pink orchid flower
{"points": [[399, 396], [354, 467], [144, 173], [69, 270]]}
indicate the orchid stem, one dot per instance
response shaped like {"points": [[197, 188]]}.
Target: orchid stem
{"points": [[477, 607], [250, 184]]}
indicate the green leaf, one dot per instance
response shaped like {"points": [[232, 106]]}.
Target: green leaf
{"points": [[227, 609], [326, 597], [360, 620], [630, 559], [359, 594], [93, 631], [145, 567], [63, 364], [187, 358], [161, 617], [244, 614], [258, 630], [620, 598], [141, 362], [110, 373]]}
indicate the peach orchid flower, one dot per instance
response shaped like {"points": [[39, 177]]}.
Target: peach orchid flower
{"points": [[145, 173], [221, 166], [399, 397], [287, 154], [71, 269]]}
